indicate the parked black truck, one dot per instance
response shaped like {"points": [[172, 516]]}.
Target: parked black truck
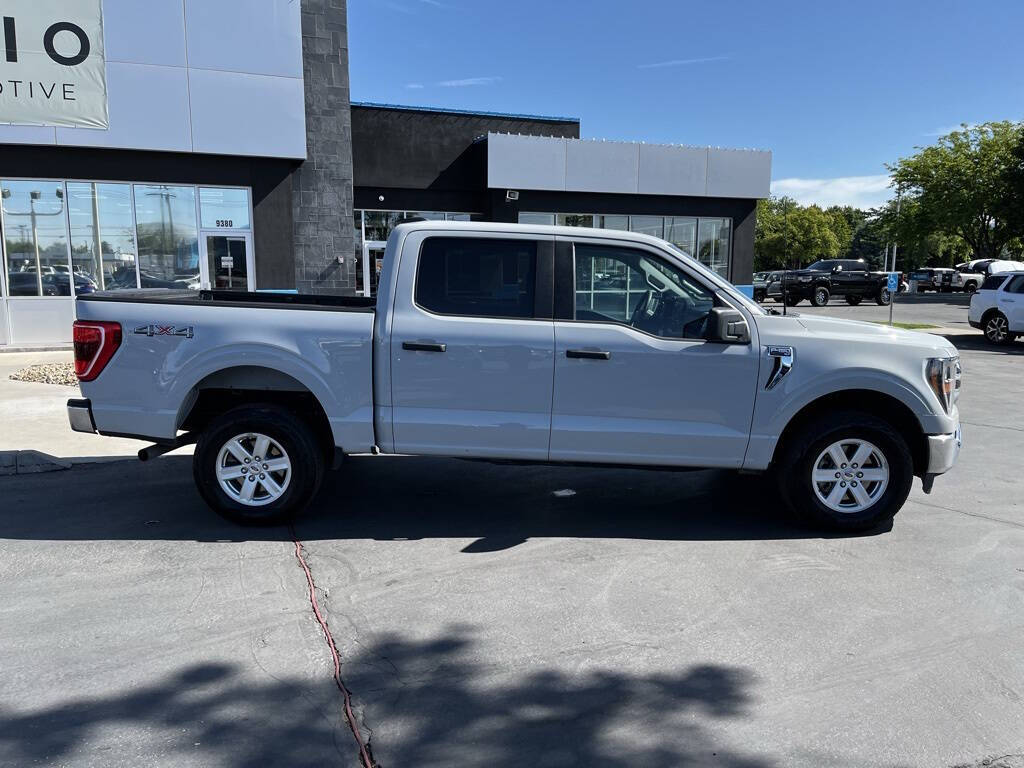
{"points": [[849, 278]]}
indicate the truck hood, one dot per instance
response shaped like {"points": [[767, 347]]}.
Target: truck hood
{"points": [[858, 330]]}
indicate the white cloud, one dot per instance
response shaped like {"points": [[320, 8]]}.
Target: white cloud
{"points": [[467, 81], [681, 62], [414, 85], [858, 191]]}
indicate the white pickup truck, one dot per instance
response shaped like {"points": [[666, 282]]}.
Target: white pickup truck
{"points": [[524, 344]]}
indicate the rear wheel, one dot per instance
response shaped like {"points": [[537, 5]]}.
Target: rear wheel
{"points": [[258, 465], [851, 473], [792, 301], [971, 287], [852, 300], [820, 296], [997, 329], [883, 298]]}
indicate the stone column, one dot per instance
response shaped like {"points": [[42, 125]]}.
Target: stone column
{"points": [[322, 185]]}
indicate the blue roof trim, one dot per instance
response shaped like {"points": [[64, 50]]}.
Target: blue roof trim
{"points": [[446, 110]]}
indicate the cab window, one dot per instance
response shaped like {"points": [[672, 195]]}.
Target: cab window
{"points": [[635, 288]]}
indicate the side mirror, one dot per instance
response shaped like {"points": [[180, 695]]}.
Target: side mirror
{"points": [[728, 326]]}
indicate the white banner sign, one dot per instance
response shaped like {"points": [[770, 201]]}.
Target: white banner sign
{"points": [[53, 65]]}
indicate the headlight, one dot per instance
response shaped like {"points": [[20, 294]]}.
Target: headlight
{"points": [[943, 375]]}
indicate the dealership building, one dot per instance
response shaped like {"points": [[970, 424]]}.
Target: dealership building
{"points": [[192, 151]]}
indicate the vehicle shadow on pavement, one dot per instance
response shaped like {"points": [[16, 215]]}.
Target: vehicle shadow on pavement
{"points": [[978, 343], [403, 498], [432, 701]]}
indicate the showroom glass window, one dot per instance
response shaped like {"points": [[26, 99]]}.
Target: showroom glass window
{"points": [[224, 208], [478, 277], [35, 235], [102, 236], [652, 295], [713, 244], [167, 235]]}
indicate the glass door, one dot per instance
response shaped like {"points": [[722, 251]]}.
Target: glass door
{"points": [[373, 261], [227, 261]]}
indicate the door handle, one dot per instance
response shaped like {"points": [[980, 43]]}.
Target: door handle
{"points": [[588, 354], [424, 346]]}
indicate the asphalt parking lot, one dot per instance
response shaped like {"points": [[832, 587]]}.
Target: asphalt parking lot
{"points": [[485, 617]]}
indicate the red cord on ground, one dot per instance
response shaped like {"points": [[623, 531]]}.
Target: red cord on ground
{"points": [[364, 752]]}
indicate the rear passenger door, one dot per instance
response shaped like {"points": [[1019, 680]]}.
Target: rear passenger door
{"points": [[472, 345]]}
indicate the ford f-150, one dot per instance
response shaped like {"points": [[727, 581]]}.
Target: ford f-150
{"points": [[525, 344]]}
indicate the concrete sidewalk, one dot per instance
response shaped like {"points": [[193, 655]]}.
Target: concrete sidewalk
{"points": [[33, 417]]}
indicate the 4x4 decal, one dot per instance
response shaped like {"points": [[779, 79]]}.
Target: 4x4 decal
{"points": [[165, 330]]}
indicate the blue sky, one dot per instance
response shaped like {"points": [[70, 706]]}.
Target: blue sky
{"points": [[835, 89]]}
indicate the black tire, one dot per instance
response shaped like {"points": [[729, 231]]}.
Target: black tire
{"points": [[792, 301], [820, 296], [794, 470], [759, 296], [293, 435], [997, 329], [853, 300], [970, 287], [883, 298]]}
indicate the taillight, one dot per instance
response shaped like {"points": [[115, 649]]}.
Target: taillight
{"points": [[95, 344]]}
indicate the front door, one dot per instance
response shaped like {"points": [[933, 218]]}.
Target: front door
{"points": [[1011, 302], [471, 353], [227, 261], [635, 381]]}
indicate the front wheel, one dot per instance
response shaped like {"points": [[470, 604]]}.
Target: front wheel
{"points": [[883, 298], [851, 472], [820, 296], [258, 465], [852, 300], [792, 301]]}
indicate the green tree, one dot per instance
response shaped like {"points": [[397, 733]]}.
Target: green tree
{"points": [[790, 235], [969, 185]]}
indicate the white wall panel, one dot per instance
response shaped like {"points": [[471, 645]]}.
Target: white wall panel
{"points": [[258, 36], [149, 109], [601, 166], [236, 114], [3, 320], [739, 173], [525, 162], [145, 31], [666, 170], [40, 321], [27, 134], [578, 165]]}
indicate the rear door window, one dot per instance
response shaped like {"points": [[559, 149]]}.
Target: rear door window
{"points": [[477, 277], [993, 282], [1016, 285]]}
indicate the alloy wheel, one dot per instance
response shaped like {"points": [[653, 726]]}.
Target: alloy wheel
{"points": [[996, 329], [253, 469], [850, 475]]}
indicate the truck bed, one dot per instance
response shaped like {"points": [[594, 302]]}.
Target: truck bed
{"points": [[236, 299]]}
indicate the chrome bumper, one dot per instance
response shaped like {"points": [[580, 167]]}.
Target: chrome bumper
{"points": [[943, 451], [80, 416]]}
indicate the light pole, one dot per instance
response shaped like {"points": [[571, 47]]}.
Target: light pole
{"points": [[34, 195]]}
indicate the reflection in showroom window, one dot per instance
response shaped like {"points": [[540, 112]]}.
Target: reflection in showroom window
{"points": [[635, 288], [35, 237], [102, 235]]}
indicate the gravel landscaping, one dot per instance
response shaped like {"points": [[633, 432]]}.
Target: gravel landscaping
{"points": [[48, 373]]}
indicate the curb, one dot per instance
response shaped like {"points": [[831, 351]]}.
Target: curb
{"points": [[29, 463]]}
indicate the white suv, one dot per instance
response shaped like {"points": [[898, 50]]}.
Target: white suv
{"points": [[998, 307]]}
